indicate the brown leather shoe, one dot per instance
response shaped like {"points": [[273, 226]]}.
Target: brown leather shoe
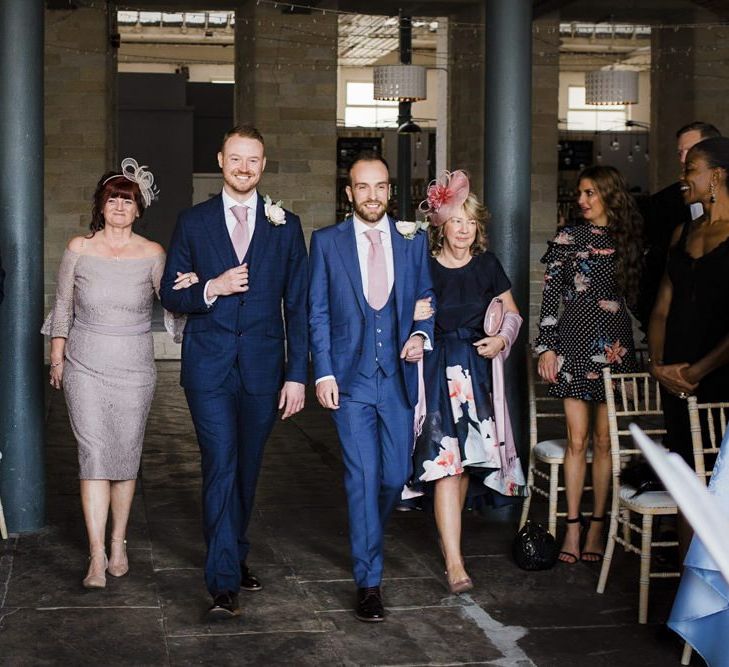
{"points": [[225, 606], [248, 580], [369, 605]]}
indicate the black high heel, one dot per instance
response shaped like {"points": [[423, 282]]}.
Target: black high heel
{"points": [[594, 556], [574, 557]]}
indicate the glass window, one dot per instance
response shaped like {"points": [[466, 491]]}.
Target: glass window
{"points": [[363, 110], [588, 117], [370, 117]]}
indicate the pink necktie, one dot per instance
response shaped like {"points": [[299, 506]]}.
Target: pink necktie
{"points": [[240, 236], [376, 271]]}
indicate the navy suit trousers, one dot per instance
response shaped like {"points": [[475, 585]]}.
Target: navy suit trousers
{"points": [[375, 426], [232, 428]]}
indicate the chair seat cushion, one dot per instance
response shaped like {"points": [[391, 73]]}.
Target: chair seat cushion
{"points": [[649, 501], [552, 451]]}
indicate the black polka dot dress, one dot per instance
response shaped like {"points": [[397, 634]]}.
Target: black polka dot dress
{"points": [[594, 329]]}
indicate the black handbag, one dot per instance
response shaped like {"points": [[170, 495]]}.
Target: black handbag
{"points": [[641, 477], [534, 547]]}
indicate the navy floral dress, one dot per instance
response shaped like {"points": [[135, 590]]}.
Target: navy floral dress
{"points": [[459, 431], [594, 329]]}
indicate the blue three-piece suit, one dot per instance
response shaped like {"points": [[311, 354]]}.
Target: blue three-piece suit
{"points": [[360, 347]]}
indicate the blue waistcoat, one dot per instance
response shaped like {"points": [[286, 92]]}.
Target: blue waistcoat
{"points": [[379, 347]]}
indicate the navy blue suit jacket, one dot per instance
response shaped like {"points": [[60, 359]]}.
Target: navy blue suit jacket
{"points": [[337, 303], [263, 330]]}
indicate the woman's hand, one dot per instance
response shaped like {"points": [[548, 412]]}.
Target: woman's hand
{"points": [[185, 280], [56, 374], [673, 378], [490, 346], [423, 310], [547, 366]]}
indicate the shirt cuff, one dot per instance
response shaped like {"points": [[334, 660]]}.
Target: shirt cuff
{"points": [[427, 345], [324, 377], [208, 301]]}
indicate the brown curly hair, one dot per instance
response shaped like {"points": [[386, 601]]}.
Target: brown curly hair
{"points": [[626, 227], [475, 210], [109, 187]]}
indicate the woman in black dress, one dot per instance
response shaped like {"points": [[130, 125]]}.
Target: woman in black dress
{"points": [[459, 439], [688, 335], [593, 271]]}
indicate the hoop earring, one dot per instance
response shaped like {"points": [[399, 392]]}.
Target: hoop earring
{"points": [[712, 191]]}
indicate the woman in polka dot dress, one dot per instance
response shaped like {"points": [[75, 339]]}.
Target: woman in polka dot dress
{"points": [[593, 271]]}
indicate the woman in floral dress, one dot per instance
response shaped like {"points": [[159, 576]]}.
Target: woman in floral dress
{"points": [[593, 271], [460, 441]]}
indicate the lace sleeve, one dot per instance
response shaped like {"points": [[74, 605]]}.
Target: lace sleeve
{"points": [[174, 322], [59, 320]]}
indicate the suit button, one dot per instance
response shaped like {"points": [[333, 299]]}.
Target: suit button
{"points": [[379, 344], [240, 333], [379, 331], [242, 302]]}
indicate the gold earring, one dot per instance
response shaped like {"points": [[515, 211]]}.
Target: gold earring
{"points": [[712, 190]]}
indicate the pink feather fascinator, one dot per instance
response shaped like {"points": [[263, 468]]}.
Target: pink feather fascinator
{"points": [[446, 194]]}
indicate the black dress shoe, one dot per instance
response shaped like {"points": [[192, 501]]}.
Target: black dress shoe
{"points": [[369, 605], [225, 605], [248, 580]]}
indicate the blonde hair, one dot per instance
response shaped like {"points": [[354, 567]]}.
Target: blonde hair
{"points": [[474, 210]]}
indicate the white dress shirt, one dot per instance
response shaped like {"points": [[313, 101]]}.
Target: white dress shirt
{"points": [[363, 249], [231, 221]]}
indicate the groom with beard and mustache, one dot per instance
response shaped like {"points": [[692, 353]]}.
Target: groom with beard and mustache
{"points": [[238, 269], [364, 281]]}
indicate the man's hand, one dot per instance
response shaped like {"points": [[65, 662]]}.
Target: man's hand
{"points": [[291, 399], [327, 393], [412, 351], [233, 281]]}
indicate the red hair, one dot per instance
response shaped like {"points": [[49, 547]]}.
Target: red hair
{"points": [[110, 185]]}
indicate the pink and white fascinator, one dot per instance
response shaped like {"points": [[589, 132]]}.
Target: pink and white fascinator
{"points": [[139, 175], [446, 194]]}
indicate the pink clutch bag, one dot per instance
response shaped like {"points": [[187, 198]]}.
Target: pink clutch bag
{"points": [[494, 317]]}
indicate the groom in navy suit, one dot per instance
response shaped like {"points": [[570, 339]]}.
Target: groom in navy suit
{"points": [[243, 267], [364, 280]]}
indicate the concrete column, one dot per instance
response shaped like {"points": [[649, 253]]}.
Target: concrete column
{"points": [[507, 165], [22, 477]]}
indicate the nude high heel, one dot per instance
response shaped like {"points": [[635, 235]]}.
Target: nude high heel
{"points": [[123, 567], [96, 580]]}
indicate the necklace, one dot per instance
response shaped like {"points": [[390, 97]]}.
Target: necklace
{"points": [[115, 250]]}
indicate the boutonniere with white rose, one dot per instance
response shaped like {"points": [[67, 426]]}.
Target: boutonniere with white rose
{"points": [[410, 228], [274, 212]]}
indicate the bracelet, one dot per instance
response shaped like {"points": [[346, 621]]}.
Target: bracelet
{"points": [[57, 364]]}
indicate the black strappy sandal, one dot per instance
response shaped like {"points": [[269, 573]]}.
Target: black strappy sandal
{"points": [[595, 556], [574, 557]]}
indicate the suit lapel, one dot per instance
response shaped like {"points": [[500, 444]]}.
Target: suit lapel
{"points": [[346, 244], [400, 265], [219, 236], [259, 242]]}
